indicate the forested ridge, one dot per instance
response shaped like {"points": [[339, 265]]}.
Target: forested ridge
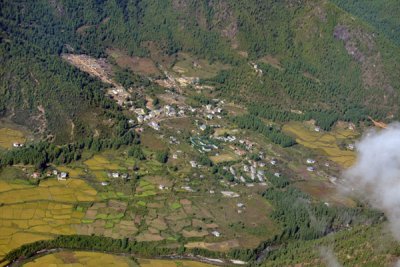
{"points": [[315, 73]]}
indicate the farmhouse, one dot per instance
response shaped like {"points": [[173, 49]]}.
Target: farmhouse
{"points": [[17, 145], [216, 233], [310, 161], [62, 176], [229, 194], [154, 125]]}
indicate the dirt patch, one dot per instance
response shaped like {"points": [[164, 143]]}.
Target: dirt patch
{"points": [[82, 29], [273, 61], [95, 67], [149, 237], [223, 246], [194, 233], [153, 142]]}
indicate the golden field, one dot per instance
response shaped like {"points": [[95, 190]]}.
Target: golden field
{"points": [[327, 142]]}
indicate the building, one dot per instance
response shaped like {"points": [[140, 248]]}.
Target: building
{"points": [[240, 205], [17, 145], [310, 161], [154, 125], [62, 176], [229, 194], [216, 233], [193, 163]]}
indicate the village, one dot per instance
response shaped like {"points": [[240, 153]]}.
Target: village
{"points": [[198, 176]]}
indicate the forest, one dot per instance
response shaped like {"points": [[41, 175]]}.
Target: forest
{"points": [[314, 76]]}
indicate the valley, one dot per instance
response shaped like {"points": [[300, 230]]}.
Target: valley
{"points": [[194, 133]]}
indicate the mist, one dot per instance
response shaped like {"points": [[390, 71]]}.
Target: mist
{"points": [[375, 177]]}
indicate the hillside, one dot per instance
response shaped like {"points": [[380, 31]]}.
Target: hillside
{"points": [[215, 130], [314, 57]]}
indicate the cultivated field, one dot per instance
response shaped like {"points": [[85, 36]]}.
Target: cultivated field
{"points": [[80, 258], [9, 136], [30, 213], [171, 263], [326, 142]]}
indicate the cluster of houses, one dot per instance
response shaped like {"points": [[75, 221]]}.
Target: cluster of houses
{"points": [[166, 111], [117, 175], [17, 145], [202, 144], [210, 111], [254, 172], [310, 162], [241, 207], [61, 176]]}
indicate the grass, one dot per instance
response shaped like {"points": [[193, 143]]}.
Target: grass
{"points": [[225, 157], [203, 70], [153, 142], [9, 136], [141, 65], [176, 206]]}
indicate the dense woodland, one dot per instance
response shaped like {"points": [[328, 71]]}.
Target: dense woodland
{"points": [[315, 74]]}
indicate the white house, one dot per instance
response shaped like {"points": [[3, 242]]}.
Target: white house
{"points": [[216, 233], [62, 176], [310, 161]]}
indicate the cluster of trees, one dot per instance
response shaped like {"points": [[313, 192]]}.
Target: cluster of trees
{"points": [[254, 123], [382, 14], [136, 152], [128, 79], [36, 84], [92, 26], [42, 153], [106, 244], [162, 156], [302, 219]]}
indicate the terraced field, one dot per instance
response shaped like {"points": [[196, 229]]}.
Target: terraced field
{"points": [[95, 259], [81, 258], [172, 263], [327, 142], [30, 213]]}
